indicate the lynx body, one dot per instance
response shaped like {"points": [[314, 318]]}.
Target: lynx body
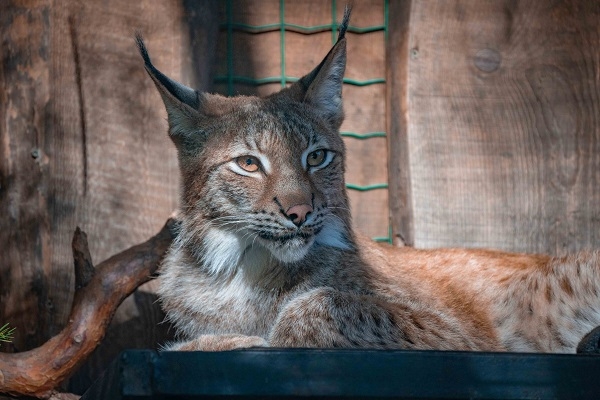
{"points": [[266, 254]]}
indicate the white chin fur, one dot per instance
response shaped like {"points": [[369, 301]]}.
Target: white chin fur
{"points": [[332, 235], [223, 251], [290, 252]]}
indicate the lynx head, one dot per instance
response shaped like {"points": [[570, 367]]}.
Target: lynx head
{"points": [[262, 178]]}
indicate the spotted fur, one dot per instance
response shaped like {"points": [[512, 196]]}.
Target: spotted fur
{"points": [[266, 254]]}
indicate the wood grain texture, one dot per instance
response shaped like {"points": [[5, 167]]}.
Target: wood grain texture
{"points": [[305, 52], [400, 190], [504, 139], [26, 288]]}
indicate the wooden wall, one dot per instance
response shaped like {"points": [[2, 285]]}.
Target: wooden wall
{"points": [[499, 134], [489, 108]]}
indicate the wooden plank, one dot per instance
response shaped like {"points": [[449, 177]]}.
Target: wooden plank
{"points": [[503, 135], [305, 52], [25, 228], [254, 12], [364, 12], [309, 13], [348, 374], [130, 193], [256, 55], [253, 55], [201, 23], [369, 212], [364, 165], [400, 189]]}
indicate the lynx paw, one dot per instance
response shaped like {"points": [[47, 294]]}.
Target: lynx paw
{"points": [[219, 343], [590, 344]]}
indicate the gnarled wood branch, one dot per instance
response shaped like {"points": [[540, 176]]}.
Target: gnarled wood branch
{"points": [[99, 292]]}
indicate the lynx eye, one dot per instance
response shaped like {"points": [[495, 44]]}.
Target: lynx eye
{"points": [[248, 163], [316, 158]]}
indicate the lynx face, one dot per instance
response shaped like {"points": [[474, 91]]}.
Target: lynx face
{"points": [[268, 179], [263, 178]]}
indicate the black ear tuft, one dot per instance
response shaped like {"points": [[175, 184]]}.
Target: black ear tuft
{"points": [[322, 87], [181, 92], [181, 102], [344, 24], [139, 40]]}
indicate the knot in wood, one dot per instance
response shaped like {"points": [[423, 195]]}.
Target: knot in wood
{"points": [[487, 60], [78, 338]]}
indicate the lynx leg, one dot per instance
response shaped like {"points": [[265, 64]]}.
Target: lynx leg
{"points": [[325, 317], [219, 343]]}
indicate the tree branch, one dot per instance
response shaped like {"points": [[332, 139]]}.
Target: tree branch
{"points": [[39, 371], [82, 259]]}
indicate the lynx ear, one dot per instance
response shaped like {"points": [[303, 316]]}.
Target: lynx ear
{"points": [[322, 87], [181, 102]]}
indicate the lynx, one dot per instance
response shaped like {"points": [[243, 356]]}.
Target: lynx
{"points": [[266, 254]]}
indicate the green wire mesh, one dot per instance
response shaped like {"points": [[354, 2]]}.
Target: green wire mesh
{"points": [[231, 79], [283, 27]]}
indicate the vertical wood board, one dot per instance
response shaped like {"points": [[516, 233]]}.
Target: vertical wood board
{"points": [[400, 190], [26, 284], [503, 134]]}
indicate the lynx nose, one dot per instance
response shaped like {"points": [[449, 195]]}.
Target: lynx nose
{"points": [[298, 213]]}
